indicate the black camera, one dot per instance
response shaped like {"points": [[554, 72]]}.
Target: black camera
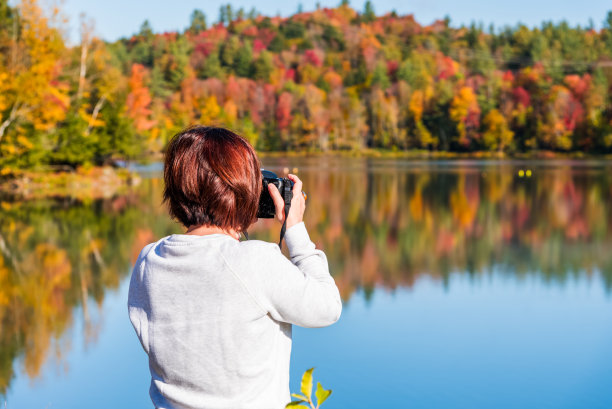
{"points": [[266, 204]]}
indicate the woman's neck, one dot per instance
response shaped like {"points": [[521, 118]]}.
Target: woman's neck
{"points": [[203, 230]]}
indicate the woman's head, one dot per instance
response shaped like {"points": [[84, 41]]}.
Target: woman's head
{"points": [[212, 178]]}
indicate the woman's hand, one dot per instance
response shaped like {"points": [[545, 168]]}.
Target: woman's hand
{"points": [[298, 203]]}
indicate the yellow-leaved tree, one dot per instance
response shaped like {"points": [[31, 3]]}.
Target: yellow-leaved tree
{"points": [[34, 91], [464, 110], [497, 135]]}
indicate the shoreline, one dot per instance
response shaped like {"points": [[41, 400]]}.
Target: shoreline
{"points": [[419, 154], [98, 182], [81, 183], [435, 155]]}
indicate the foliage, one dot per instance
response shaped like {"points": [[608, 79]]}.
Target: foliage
{"points": [[328, 79], [305, 398], [50, 116]]}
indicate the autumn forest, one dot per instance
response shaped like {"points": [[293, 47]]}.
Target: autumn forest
{"points": [[324, 80]]}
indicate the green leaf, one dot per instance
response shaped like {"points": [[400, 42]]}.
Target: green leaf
{"points": [[300, 397], [321, 394], [294, 403], [307, 383]]}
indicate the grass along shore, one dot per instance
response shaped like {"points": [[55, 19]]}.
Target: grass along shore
{"points": [[81, 183]]}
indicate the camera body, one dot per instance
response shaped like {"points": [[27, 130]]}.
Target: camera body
{"points": [[266, 204]]}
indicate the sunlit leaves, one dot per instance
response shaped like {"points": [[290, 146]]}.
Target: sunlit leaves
{"points": [[305, 398], [321, 394], [306, 386]]}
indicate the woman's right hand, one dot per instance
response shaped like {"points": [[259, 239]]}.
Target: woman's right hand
{"points": [[298, 203]]}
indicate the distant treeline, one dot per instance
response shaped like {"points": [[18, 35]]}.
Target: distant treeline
{"points": [[330, 79]]}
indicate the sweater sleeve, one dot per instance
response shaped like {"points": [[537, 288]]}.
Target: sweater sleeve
{"points": [[138, 300], [300, 291]]}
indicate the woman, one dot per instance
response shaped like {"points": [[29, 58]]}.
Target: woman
{"points": [[214, 313]]}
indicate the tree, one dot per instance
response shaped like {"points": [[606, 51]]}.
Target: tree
{"points": [[87, 27], [294, 29], [380, 77], [146, 31], [211, 67], [465, 112], [177, 64], [283, 111], [368, 12], [139, 99], [229, 50], [226, 14], [608, 31], [497, 135], [252, 14], [31, 93], [210, 111], [334, 78], [263, 66], [423, 137], [198, 22], [243, 63]]}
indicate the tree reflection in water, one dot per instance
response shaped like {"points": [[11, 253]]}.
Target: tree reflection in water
{"points": [[57, 254], [384, 223], [381, 224]]}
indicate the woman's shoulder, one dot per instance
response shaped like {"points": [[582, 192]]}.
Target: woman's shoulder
{"points": [[147, 250], [144, 252], [253, 249], [250, 254], [258, 245]]}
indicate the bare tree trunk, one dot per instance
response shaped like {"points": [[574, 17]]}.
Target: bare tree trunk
{"points": [[87, 28], [5, 124], [14, 46], [83, 70], [94, 114]]}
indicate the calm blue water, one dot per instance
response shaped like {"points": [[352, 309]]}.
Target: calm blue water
{"points": [[476, 343], [464, 286]]}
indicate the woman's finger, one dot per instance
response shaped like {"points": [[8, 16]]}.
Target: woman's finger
{"points": [[297, 184], [279, 202], [298, 203]]}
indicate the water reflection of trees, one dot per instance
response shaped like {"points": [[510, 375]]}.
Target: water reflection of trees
{"points": [[55, 255], [380, 226], [387, 225]]}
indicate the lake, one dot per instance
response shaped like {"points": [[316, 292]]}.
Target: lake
{"points": [[466, 284]]}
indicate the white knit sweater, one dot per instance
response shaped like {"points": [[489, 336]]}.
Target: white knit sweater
{"points": [[214, 315]]}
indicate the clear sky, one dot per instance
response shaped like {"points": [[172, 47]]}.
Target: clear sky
{"points": [[118, 18]]}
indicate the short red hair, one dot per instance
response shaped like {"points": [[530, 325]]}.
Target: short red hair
{"points": [[212, 177]]}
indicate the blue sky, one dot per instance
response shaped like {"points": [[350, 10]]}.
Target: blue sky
{"points": [[117, 18]]}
